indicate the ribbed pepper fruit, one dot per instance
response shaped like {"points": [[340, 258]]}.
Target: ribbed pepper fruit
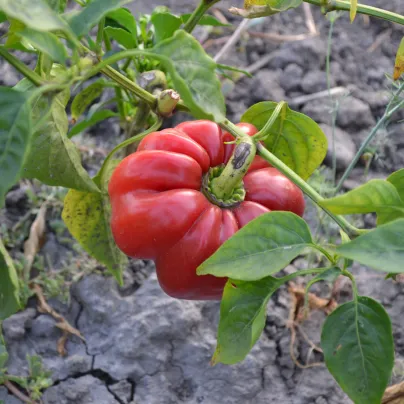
{"points": [[159, 211]]}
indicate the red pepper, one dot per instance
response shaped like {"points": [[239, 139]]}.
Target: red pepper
{"points": [[159, 211]]}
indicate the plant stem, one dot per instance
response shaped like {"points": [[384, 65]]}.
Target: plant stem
{"points": [[354, 286], [334, 5], [263, 133], [307, 189], [302, 272], [324, 252], [130, 85], [21, 67], [386, 116], [198, 13], [241, 159], [100, 35]]}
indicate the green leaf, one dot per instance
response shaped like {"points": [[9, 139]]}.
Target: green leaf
{"points": [[381, 248], [123, 37], [87, 216], [91, 121], [45, 42], [242, 317], [399, 64], [9, 287], [54, 158], [3, 354], [358, 348], [263, 247], [207, 20], [34, 14], [15, 134], [165, 24], [13, 35], [3, 17], [294, 138], [397, 179], [262, 8], [193, 74], [82, 22], [57, 5], [123, 18], [375, 196], [345, 239], [85, 97]]}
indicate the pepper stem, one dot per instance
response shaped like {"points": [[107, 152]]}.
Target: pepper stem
{"points": [[238, 165]]}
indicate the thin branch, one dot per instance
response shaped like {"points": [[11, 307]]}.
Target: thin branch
{"points": [[15, 391]]}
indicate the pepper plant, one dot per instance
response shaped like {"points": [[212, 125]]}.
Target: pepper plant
{"points": [[217, 205]]}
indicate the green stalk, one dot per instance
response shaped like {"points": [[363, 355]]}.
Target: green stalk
{"points": [[334, 5], [21, 67], [243, 156], [386, 116], [307, 189], [199, 12]]}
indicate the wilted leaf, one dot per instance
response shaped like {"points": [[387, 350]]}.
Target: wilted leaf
{"points": [[399, 65]]}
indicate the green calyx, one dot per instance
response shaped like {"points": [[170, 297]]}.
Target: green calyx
{"points": [[232, 201]]}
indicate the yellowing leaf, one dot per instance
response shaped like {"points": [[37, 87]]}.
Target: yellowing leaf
{"points": [[354, 7], [399, 65], [262, 8]]}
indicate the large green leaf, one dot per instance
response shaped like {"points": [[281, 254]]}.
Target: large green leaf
{"points": [[45, 42], [123, 18], [193, 74], [54, 158], [294, 138], [87, 216], [91, 121], [9, 287], [15, 133], [165, 24], [123, 37], [85, 97], [375, 196], [57, 5], [381, 248], [397, 179], [262, 8], [242, 317], [3, 354], [82, 22], [358, 348], [261, 248], [34, 14]]}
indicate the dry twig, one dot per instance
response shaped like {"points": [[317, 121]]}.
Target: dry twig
{"points": [[15, 391], [62, 323]]}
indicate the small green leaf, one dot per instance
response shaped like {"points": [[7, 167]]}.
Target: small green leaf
{"points": [[87, 216], [45, 42], [90, 121], [165, 24], [261, 248], [13, 35], [399, 64], [82, 22], [85, 97], [123, 37], [262, 8], [54, 158], [193, 74], [122, 18], [381, 248], [397, 179], [242, 317], [358, 348], [34, 14], [354, 8], [3, 354], [375, 196], [294, 138], [15, 134], [207, 20], [9, 287]]}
